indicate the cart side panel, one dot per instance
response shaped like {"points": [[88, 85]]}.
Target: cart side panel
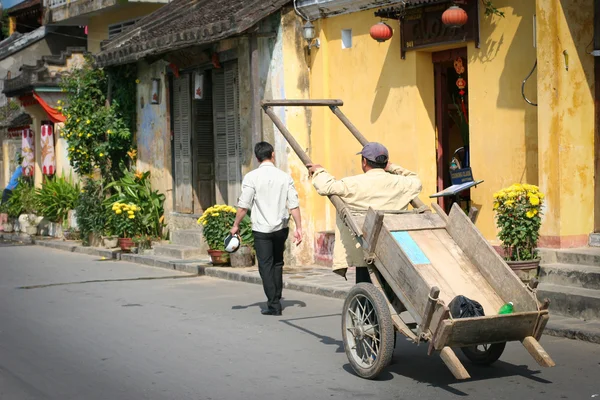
{"points": [[482, 330], [499, 275], [401, 275]]}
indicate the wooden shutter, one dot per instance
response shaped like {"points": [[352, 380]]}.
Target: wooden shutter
{"points": [[182, 140], [227, 133], [205, 150]]}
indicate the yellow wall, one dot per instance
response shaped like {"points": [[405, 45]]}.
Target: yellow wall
{"points": [[392, 101], [98, 25], [566, 118]]}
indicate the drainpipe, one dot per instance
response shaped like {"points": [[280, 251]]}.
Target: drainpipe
{"points": [[597, 114]]}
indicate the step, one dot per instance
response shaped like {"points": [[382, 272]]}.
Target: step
{"points": [[194, 267], [583, 256], [573, 275], [179, 252], [189, 237], [573, 328], [571, 302]]}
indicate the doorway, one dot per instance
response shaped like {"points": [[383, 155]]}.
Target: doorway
{"points": [[452, 121]]}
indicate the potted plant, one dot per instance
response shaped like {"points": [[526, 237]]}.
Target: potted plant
{"points": [[56, 198], [29, 202], [217, 222], [518, 217], [125, 222]]}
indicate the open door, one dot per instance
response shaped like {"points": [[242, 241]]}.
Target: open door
{"points": [[182, 144]]}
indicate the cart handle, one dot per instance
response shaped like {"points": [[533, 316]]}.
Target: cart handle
{"points": [[333, 105]]}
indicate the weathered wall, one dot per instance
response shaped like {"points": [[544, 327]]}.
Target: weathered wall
{"points": [[566, 119], [153, 131], [98, 24], [391, 100], [9, 150]]}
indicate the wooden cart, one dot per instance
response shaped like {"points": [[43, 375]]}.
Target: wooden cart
{"points": [[418, 262]]}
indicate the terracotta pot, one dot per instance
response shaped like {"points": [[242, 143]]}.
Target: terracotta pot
{"points": [[525, 270], [125, 244], [219, 257], [242, 258]]}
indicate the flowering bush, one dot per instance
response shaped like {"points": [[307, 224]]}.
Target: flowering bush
{"points": [[518, 216], [217, 222], [124, 220]]}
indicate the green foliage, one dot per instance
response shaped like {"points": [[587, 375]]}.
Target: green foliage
{"points": [[123, 92], [14, 205], [5, 24], [91, 213], [518, 217], [125, 221], [490, 9], [98, 136], [57, 197], [218, 220], [135, 188]]}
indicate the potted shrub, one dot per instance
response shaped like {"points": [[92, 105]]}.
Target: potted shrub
{"points": [[29, 202], [92, 216], [518, 217], [56, 198], [217, 222], [126, 223]]}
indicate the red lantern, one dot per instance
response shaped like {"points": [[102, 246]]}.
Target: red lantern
{"points": [[381, 32], [455, 17]]}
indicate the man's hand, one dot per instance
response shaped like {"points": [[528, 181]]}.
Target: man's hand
{"points": [[298, 236], [234, 230], [387, 167], [312, 168]]}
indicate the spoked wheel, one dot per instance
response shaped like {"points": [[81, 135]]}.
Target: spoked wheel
{"points": [[484, 354], [367, 330]]}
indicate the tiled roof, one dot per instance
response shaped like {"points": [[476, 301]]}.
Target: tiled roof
{"points": [[315, 9], [184, 23], [24, 5]]}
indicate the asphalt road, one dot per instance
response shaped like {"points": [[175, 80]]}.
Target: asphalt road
{"points": [[75, 327]]}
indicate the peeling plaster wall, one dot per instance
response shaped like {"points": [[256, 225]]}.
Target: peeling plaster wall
{"points": [[566, 118], [153, 131]]}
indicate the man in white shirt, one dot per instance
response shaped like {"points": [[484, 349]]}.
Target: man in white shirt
{"points": [[271, 196]]}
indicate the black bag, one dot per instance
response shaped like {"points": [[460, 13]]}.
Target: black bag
{"points": [[463, 307]]}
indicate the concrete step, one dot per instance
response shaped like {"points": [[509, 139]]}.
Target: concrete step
{"points": [[179, 252], [570, 301], [582, 256], [189, 237], [573, 275], [573, 328], [194, 267]]}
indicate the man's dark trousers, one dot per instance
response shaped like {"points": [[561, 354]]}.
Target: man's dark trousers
{"points": [[269, 252]]}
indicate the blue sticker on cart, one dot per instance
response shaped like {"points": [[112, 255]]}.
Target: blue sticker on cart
{"points": [[411, 248]]}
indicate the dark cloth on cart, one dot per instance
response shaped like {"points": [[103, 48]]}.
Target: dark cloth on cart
{"points": [[463, 307]]}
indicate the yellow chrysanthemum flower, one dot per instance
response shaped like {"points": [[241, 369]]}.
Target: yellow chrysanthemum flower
{"points": [[534, 200], [88, 122], [118, 212], [131, 216], [215, 214]]}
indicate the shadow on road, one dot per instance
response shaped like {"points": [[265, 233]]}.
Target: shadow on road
{"points": [[326, 340], [284, 304], [412, 362]]}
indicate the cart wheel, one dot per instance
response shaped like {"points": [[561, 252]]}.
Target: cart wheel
{"points": [[484, 354], [367, 330]]}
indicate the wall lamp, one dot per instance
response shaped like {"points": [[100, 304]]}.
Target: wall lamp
{"points": [[309, 34]]}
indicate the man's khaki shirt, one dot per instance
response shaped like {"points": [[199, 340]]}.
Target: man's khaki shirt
{"points": [[378, 189]]}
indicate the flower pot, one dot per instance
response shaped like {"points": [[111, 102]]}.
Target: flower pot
{"points": [[8, 227], [242, 258], [525, 270], [219, 257], [94, 240], [110, 242], [31, 230], [125, 244]]}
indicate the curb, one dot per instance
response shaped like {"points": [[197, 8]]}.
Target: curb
{"points": [[574, 329]]}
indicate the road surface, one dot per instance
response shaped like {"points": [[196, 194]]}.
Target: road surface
{"points": [[77, 327]]}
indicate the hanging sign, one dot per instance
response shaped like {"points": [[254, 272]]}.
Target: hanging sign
{"points": [[28, 152], [199, 86], [48, 157], [423, 27]]}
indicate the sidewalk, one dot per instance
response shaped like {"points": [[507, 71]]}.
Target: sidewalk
{"points": [[314, 280]]}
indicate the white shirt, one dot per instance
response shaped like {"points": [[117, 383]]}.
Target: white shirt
{"points": [[269, 193]]}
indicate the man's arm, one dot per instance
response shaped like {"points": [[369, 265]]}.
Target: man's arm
{"points": [[294, 206], [244, 203], [411, 179], [325, 183]]}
